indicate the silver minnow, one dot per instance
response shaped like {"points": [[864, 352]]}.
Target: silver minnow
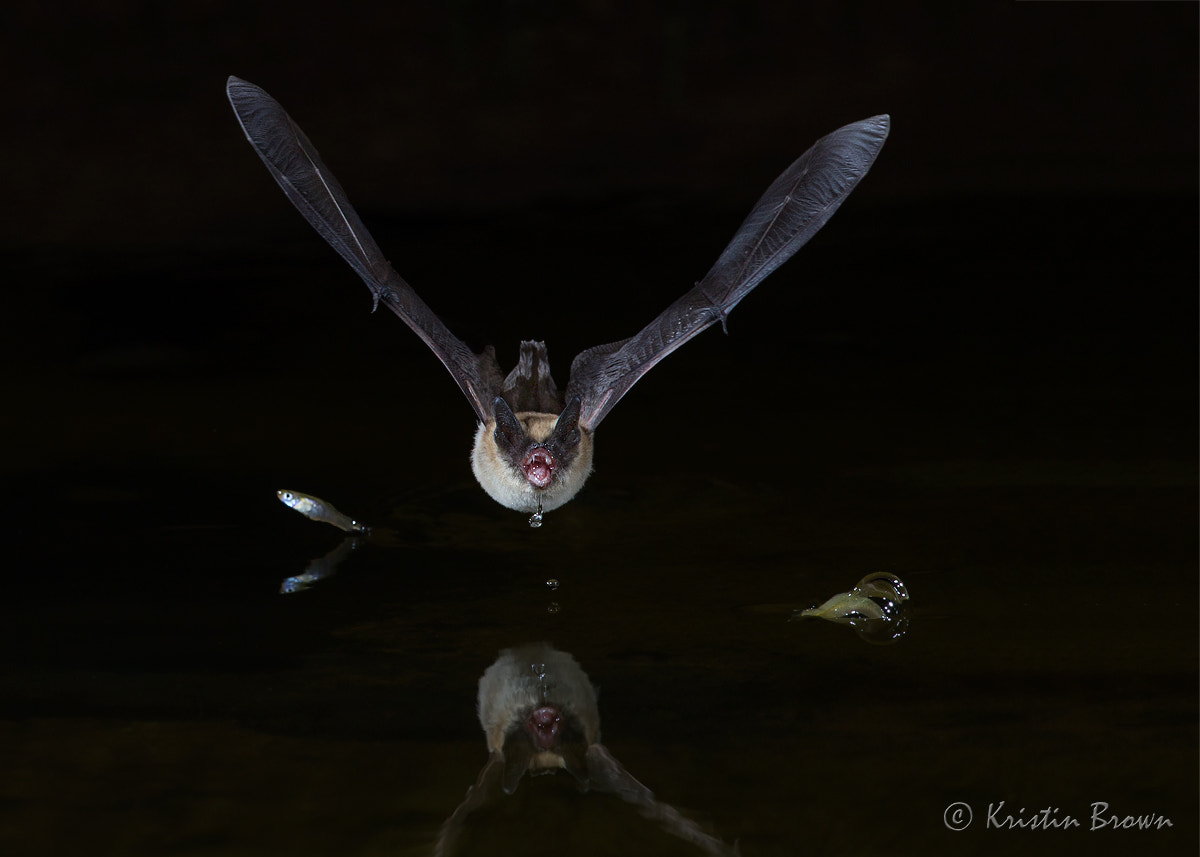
{"points": [[316, 509]]}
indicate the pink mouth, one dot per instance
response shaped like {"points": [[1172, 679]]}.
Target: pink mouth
{"points": [[543, 725], [539, 467]]}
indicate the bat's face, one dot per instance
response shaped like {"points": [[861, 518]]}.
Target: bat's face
{"points": [[529, 461]]}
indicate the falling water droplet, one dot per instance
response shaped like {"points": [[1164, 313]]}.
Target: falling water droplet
{"points": [[539, 672]]}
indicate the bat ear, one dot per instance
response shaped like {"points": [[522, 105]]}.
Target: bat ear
{"points": [[574, 758], [509, 433], [570, 413], [517, 755], [566, 430]]}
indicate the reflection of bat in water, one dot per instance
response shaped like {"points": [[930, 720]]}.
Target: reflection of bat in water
{"points": [[533, 447], [538, 711]]}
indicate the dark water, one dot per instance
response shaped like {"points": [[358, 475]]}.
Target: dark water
{"points": [[994, 400]]}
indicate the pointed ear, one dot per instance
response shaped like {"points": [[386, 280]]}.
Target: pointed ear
{"points": [[574, 756], [516, 754], [568, 421], [509, 434]]}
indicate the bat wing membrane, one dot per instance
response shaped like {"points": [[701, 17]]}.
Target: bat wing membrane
{"points": [[293, 161], [793, 209]]}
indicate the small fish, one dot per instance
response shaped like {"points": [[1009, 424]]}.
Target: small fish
{"points": [[316, 509]]}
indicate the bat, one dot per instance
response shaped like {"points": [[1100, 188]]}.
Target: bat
{"points": [[533, 444], [539, 716]]}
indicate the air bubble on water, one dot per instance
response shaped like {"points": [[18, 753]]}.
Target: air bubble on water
{"points": [[876, 608]]}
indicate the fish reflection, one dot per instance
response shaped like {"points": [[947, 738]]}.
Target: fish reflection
{"points": [[538, 711], [316, 509], [876, 608], [320, 568]]}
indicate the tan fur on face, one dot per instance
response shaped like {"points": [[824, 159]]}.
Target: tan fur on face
{"points": [[508, 486]]}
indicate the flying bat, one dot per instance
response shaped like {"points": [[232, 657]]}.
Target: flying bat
{"points": [[533, 445]]}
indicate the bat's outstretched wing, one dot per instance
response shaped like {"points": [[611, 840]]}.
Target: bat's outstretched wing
{"points": [[311, 187], [794, 207]]}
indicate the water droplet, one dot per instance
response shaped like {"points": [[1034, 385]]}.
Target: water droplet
{"points": [[552, 583], [539, 672]]}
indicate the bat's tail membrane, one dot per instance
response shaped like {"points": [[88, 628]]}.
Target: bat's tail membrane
{"points": [[530, 386]]}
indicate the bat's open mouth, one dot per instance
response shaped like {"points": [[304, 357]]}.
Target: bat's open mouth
{"points": [[539, 466], [543, 725]]}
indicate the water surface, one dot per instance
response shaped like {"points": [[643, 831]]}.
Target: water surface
{"points": [[1013, 436]]}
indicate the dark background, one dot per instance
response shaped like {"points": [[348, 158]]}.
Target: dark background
{"points": [[981, 375], [121, 156], [115, 138]]}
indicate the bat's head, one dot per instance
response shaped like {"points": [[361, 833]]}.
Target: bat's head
{"points": [[530, 461]]}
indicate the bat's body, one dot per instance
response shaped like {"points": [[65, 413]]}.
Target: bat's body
{"points": [[533, 448]]}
